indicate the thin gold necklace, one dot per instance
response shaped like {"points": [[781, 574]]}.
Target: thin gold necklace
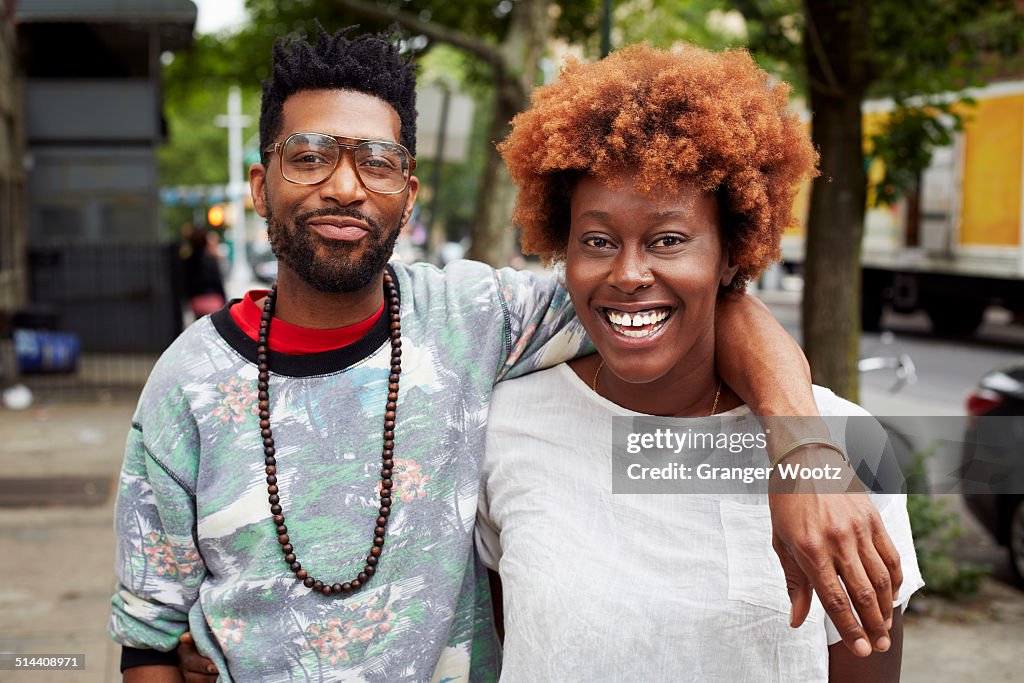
{"points": [[714, 407]]}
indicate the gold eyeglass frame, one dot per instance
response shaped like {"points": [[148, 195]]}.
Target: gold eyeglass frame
{"points": [[353, 144]]}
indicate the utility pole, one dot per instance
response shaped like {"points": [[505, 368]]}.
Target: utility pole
{"points": [[606, 28], [235, 122]]}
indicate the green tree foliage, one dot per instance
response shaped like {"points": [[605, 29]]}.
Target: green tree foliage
{"points": [[851, 50]]}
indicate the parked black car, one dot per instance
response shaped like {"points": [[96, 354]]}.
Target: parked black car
{"points": [[1000, 393]]}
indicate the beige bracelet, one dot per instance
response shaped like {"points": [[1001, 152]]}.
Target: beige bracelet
{"points": [[809, 441]]}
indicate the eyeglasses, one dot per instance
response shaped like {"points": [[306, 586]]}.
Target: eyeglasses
{"points": [[310, 158]]}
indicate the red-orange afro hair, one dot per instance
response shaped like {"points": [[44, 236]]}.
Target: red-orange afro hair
{"points": [[713, 119]]}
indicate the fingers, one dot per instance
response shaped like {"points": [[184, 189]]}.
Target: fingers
{"points": [[194, 667], [865, 597], [797, 585], [889, 556], [815, 559], [837, 606]]}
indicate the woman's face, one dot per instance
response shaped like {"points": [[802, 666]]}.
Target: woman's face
{"points": [[644, 275]]}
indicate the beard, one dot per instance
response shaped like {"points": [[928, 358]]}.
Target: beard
{"points": [[349, 266]]}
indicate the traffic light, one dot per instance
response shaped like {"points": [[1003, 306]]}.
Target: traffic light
{"points": [[215, 216]]}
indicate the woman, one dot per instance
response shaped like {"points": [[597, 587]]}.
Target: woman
{"points": [[663, 181]]}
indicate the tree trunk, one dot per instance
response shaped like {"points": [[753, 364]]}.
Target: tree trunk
{"points": [[493, 239], [835, 37]]}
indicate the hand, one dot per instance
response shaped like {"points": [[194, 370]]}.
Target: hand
{"points": [[194, 667], [824, 536]]}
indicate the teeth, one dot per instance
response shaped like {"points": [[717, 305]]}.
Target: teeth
{"points": [[639, 319], [651, 320]]}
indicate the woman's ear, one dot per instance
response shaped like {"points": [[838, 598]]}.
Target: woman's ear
{"points": [[728, 271]]}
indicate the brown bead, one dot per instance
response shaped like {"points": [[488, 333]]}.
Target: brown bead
{"points": [[396, 325], [278, 519], [274, 499], [295, 567], [389, 444], [317, 585], [397, 344], [385, 473], [375, 551], [371, 561], [288, 547], [379, 531], [264, 376], [336, 588], [271, 469], [396, 351], [269, 451], [386, 483], [387, 452], [363, 577], [276, 509], [385, 511], [264, 414], [378, 541], [308, 581], [356, 584], [389, 415], [272, 490], [389, 424], [283, 539], [392, 395], [382, 521], [303, 575], [326, 590], [346, 587], [282, 529], [388, 462], [268, 440], [289, 558], [386, 501], [266, 434], [393, 379], [262, 386], [369, 571], [265, 426], [394, 308], [263, 396], [270, 461], [271, 478]]}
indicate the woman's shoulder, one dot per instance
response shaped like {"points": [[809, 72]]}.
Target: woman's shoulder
{"points": [[831, 405]]}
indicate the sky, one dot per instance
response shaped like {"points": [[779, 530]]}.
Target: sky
{"points": [[215, 15]]}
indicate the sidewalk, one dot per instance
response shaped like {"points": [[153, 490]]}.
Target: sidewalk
{"points": [[57, 562]]}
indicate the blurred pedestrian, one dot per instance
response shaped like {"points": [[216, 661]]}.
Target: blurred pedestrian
{"points": [[204, 282]]}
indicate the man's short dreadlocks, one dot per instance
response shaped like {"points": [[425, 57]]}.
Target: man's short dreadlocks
{"points": [[369, 64]]}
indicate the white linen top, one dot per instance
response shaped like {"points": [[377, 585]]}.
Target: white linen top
{"points": [[650, 587]]}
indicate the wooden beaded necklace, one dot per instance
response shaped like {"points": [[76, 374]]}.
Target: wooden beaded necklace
{"points": [[387, 452]]}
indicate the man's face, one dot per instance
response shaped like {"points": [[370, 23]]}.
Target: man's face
{"points": [[337, 235]]}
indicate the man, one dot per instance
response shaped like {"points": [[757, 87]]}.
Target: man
{"points": [[253, 510]]}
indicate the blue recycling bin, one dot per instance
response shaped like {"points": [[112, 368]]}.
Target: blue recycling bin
{"points": [[42, 351]]}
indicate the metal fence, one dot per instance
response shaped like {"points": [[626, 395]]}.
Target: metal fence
{"points": [[121, 303]]}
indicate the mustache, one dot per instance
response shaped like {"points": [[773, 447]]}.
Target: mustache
{"points": [[303, 218]]}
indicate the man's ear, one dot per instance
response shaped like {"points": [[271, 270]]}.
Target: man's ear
{"points": [[410, 200], [258, 188]]}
